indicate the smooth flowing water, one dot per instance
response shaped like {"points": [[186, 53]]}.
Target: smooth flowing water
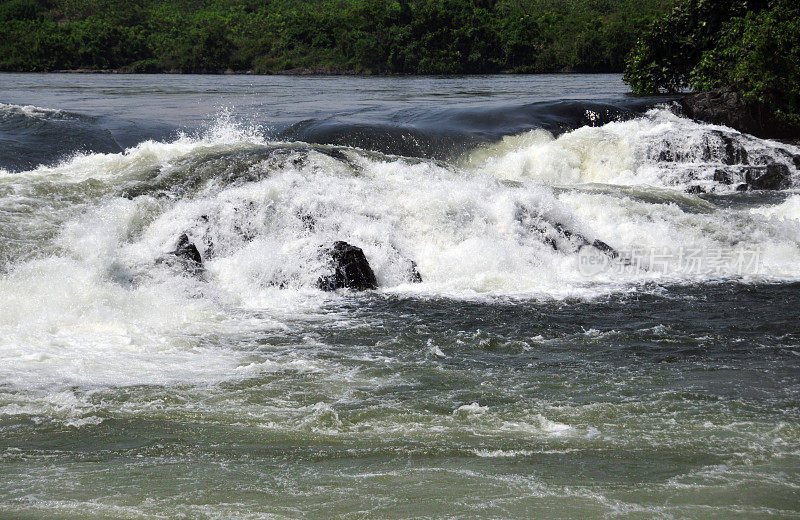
{"points": [[605, 326]]}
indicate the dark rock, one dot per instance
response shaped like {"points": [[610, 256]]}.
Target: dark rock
{"points": [[581, 241], [774, 176], [546, 234], [604, 248], [734, 152], [742, 187], [532, 222], [695, 190], [188, 255], [666, 154], [723, 176], [309, 222], [720, 107], [558, 236], [207, 240], [566, 233], [715, 146], [727, 107], [413, 274], [350, 269], [186, 250]]}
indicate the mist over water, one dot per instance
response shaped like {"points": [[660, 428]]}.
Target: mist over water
{"points": [[605, 326]]}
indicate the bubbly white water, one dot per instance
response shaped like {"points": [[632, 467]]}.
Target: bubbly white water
{"points": [[626, 153], [9, 109]]}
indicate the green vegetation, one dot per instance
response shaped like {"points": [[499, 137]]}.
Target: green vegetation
{"points": [[750, 46], [363, 36]]}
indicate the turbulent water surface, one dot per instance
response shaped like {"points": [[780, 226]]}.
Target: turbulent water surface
{"points": [[606, 326]]}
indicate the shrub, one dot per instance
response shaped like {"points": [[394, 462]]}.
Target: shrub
{"points": [[751, 46]]}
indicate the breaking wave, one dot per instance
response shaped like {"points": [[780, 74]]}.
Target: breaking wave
{"points": [[31, 136]]}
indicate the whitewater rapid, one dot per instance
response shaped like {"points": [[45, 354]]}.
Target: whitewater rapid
{"points": [[484, 223], [85, 295]]}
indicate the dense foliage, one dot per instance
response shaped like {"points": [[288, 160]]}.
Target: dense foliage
{"points": [[380, 36], [751, 46]]}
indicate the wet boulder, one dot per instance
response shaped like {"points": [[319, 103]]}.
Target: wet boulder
{"points": [[350, 267], [723, 176], [188, 256], [733, 152], [728, 107], [723, 107], [413, 273], [558, 236], [579, 241], [773, 176], [603, 248]]}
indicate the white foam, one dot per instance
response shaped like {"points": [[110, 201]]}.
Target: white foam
{"points": [[470, 409], [461, 230], [623, 153], [787, 210], [60, 319], [498, 454], [29, 110]]}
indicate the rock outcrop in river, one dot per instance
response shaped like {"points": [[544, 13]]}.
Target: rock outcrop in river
{"points": [[350, 269], [729, 108]]}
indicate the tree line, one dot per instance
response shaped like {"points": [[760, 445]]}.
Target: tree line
{"points": [[357, 36], [749, 46]]}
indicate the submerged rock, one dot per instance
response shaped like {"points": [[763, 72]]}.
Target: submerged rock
{"points": [[188, 255], [582, 241], [603, 248], [558, 236], [714, 145], [773, 176], [723, 176], [761, 168], [734, 152], [413, 273], [350, 269]]}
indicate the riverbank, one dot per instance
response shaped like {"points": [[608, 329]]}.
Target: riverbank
{"points": [[301, 71], [304, 71]]}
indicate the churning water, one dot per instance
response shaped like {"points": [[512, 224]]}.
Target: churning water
{"points": [[606, 326]]}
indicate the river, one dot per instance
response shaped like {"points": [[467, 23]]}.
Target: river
{"points": [[605, 326]]}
